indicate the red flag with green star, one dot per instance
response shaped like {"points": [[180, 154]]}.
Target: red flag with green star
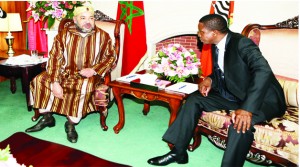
{"points": [[135, 47]]}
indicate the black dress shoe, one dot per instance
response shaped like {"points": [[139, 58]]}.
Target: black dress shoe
{"points": [[169, 158], [72, 135], [47, 121]]}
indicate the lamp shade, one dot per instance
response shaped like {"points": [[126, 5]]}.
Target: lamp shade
{"points": [[11, 23]]}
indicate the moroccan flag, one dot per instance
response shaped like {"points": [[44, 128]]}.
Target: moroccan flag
{"points": [[135, 47], [225, 9]]}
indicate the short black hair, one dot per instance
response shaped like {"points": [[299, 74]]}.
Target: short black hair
{"points": [[215, 22]]}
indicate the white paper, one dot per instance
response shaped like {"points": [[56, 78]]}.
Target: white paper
{"points": [[128, 78], [148, 79], [183, 87], [25, 60]]}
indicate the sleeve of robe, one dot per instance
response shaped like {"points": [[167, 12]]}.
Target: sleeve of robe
{"points": [[107, 55], [56, 60]]}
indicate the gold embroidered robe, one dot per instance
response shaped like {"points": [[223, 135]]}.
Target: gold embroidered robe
{"points": [[70, 53]]}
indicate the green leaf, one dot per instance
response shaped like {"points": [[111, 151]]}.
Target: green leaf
{"points": [[4, 154], [50, 22]]}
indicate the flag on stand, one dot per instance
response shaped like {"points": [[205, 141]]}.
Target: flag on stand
{"points": [[225, 9], [135, 47]]}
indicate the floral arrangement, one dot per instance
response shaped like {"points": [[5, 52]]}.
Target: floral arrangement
{"points": [[7, 159], [52, 10], [176, 63]]}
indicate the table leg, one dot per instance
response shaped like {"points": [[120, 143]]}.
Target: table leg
{"points": [[146, 107], [117, 95], [25, 86], [13, 86]]}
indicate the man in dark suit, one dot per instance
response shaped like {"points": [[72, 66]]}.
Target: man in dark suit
{"points": [[242, 81]]}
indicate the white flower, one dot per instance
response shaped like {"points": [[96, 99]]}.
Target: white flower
{"points": [[52, 10], [175, 62]]}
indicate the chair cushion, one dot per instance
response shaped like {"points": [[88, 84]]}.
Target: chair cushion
{"points": [[279, 136], [290, 89]]}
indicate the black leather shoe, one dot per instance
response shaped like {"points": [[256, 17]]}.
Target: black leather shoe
{"points": [[169, 158], [72, 135], [47, 121]]}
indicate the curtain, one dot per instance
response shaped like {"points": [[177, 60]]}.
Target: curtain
{"points": [[37, 37]]}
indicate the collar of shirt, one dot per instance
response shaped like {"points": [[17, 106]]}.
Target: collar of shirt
{"points": [[221, 44], [221, 47]]}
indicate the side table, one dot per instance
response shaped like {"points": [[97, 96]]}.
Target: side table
{"points": [[26, 73], [172, 98]]}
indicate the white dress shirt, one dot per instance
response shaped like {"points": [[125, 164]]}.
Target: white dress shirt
{"points": [[221, 47]]}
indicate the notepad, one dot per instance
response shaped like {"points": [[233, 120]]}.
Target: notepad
{"points": [[183, 87], [128, 78]]}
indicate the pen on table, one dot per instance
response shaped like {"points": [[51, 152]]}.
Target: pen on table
{"points": [[130, 76], [182, 87]]}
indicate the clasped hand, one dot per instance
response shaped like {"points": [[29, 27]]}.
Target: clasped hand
{"points": [[87, 72], [58, 90]]}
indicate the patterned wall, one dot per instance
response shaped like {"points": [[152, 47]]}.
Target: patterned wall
{"points": [[188, 41]]}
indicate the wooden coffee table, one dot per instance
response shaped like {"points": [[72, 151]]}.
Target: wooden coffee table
{"points": [[172, 98]]}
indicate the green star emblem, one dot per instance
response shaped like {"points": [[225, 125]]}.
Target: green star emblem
{"points": [[134, 11]]}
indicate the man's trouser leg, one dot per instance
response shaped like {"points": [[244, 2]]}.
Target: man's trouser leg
{"points": [[238, 144], [181, 131]]}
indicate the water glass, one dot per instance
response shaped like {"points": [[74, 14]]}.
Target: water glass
{"points": [[34, 53]]}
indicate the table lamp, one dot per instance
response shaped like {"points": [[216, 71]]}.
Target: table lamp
{"points": [[11, 23]]}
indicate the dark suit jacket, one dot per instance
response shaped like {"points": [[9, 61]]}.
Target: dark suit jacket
{"points": [[249, 77]]}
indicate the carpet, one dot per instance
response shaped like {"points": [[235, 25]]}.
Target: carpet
{"points": [[139, 140], [40, 153]]}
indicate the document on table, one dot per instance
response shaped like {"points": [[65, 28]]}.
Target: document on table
{"points": [[128, 78], [183, 87]]}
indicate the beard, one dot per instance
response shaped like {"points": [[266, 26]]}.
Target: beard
{"points": [[82, 29]]}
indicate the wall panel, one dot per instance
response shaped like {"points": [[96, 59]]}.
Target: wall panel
{"points": [[20, 37]]}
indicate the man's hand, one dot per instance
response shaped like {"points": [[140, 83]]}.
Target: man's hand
{"points": [[205, 86], [242, 120], [87, 72], [57, 90]]}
